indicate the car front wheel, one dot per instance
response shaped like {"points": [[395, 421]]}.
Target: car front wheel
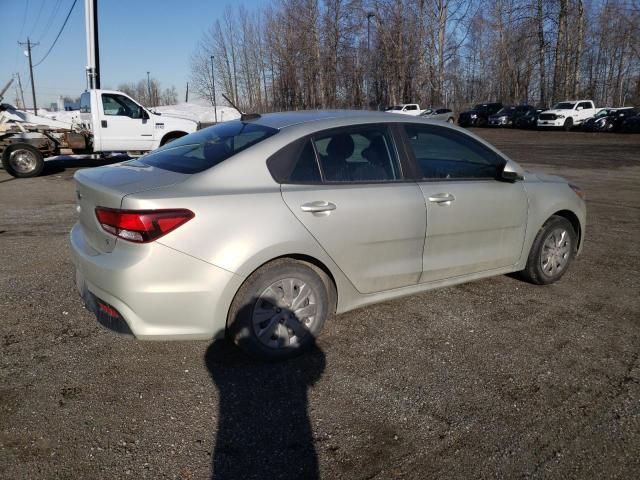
{"points": [[552, 251], [280, 309]]}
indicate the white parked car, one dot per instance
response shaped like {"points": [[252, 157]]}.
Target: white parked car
{"points": [[405, 109], [567, 114]]}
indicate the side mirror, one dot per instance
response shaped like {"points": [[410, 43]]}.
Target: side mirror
{"points": [[144, 115], [579, 108], [509, 176]]}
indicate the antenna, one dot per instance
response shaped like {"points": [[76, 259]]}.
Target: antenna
{"points": [[243, 116]]}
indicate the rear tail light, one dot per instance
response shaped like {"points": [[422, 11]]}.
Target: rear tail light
{"points": [[141, 226]]}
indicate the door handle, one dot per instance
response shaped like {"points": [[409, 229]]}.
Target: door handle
{"points": [[442, 198], [318, 206], [103, 123]]}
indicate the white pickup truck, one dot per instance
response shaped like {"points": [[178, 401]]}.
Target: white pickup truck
{"points": [[567, 114], [405, 109], [110, 121]]}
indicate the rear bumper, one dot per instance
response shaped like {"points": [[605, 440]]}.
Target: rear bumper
{"points": [[158, 293]]}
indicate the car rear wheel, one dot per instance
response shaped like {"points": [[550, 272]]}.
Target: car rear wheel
{"points": [[552, 251], [22, 161], [280, 309]]}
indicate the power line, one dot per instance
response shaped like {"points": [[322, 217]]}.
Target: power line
{"points": [[54, 14], [35, 24], [59, 33]]}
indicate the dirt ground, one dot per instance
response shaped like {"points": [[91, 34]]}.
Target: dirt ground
{"points": [[492, 379]]}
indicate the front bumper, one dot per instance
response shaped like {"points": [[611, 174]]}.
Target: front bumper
{"points": [[557, 123], [152, 291]]}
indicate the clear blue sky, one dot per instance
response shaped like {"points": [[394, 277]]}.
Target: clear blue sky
{"points": [[136, 36]]}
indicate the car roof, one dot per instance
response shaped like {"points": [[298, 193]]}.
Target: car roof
{"points": [[280, 120]]}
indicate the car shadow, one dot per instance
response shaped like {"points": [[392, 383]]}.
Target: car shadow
{"points": [[264, 430]]}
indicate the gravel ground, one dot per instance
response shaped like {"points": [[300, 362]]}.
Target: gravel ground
{"points": [[491, 379]]}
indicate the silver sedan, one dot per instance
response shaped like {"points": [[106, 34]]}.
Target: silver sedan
{"points": [[262, 229]]}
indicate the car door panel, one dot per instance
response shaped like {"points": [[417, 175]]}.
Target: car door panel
{"points": [[375, 233], [482, 228], [118, 130]]}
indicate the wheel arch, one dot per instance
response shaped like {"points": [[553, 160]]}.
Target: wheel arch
{"points": [[574, 221], [172, 135]]}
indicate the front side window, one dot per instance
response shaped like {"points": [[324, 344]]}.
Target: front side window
{"points": [[362, 154], [446, 154], [119, 105], [206, 148], [585, 105], [563, 106]]}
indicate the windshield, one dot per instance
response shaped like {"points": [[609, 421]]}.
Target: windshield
{"points": [[206, 148], [604, 113], [563, 106]]}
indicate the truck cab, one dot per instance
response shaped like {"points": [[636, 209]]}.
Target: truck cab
{"points": [[120, 124], [405, 109]]}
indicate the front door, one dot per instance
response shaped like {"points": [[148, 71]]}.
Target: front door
{"points": [[359, 209], [475, 222], [124, 125]]}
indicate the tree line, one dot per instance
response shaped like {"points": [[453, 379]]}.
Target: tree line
{"points": [[307, 54], [150, 93]]}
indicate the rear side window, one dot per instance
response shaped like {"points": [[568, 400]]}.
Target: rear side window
{"points": [[361, 154], [446, 154], [206, 148]]}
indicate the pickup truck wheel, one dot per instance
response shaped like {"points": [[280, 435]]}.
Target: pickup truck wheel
{"points": [[552, 251], [568, 124], [22, 161]]}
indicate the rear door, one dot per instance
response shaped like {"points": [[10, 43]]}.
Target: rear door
{"points": [[347, 187], [124, 125], [475, 222]]}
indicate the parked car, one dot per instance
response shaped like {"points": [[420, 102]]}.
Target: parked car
{"points": [[261, 229], [567, 114], [529, 119], [507, 116], [479, 115], [631, 124], [443, 114], [608, 119], [405, 109]]}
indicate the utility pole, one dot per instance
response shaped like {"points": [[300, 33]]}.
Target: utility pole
{"points": [[21, 91], [33, 87], [93, 50], [149, 90], [186, 96], [213, 84]]}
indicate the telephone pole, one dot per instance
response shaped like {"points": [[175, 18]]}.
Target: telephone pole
{"points": [[21, 91], [213, 84], [186, 96], [33, 87]]}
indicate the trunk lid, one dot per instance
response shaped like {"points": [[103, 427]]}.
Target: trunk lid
{"points": [[106, 187]]}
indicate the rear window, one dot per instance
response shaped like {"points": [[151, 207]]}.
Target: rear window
{"points": [[206, 148]]}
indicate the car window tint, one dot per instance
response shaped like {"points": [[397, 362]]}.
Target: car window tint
{"points": [[360, 155], [443, 154], [208, 147], [306, 169]]}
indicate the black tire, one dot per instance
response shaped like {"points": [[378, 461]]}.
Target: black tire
{"points": [[21, 160], [568, 124], [541, 273], [280, 317], [481, 122]]}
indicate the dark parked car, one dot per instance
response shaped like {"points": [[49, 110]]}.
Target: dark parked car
{"points": [[631, 124], [479, 115], [529, 119], [608, 119], [507, 116]]}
